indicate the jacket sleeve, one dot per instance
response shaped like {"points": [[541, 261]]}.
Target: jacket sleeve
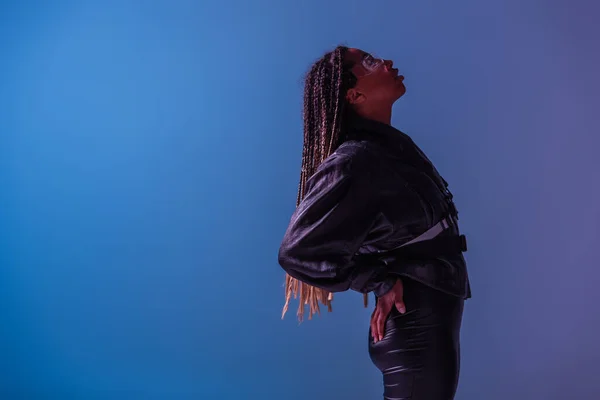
{"points": [[330, 225]]}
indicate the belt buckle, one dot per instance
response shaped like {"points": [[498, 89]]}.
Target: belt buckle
{"points": [[463, 243]]}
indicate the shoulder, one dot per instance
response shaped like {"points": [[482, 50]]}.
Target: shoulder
{"points": [[356, 156], [368, 160], [349, 164]]}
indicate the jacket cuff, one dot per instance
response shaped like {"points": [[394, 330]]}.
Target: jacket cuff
{"points": [[384, 287]]}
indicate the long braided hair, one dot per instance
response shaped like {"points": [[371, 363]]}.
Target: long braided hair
{"points": [[325, 112]]}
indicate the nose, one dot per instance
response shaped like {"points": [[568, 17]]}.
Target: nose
{"points": [[388, 63]]}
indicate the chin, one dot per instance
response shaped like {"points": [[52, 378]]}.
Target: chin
{"points": [[400, 89], [401, 93]]}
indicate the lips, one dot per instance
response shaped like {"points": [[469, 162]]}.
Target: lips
{"points": [[396, 76]]}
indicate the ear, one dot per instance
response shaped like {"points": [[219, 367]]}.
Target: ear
{"points": [[355, 97]]}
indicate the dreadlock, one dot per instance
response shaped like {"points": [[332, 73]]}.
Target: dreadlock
{"points": [[325, 112]]}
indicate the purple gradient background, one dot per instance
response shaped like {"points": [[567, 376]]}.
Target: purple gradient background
{"points": [[149, 158]]}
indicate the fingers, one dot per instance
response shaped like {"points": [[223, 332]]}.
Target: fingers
{"points": [[383, 309], [378, 321], [399, 299], [374, 329], [400, 306], [379, 317], [374, 326]]}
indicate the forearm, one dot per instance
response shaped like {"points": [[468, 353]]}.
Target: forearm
{"points": [[337, 277]]}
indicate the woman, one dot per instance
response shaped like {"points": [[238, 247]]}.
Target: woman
{"points": [[375, 216]]}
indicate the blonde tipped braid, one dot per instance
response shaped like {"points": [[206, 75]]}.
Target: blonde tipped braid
{"points": [[324, 109]]}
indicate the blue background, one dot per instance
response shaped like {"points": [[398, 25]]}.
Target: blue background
{"points": [[149, 161]]}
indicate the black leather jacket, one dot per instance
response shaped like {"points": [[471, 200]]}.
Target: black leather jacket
{"points": [[375, 192]]}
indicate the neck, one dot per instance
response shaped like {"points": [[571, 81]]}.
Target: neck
{"points": [[379, 114]]}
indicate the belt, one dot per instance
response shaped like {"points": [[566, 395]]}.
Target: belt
{"points": [[431, 243], [435, 231]]}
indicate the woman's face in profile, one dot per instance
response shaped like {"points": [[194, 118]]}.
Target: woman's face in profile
{"points": [[377, 80]]}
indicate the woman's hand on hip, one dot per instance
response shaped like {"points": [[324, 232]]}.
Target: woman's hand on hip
{"points": [[384, 306]]}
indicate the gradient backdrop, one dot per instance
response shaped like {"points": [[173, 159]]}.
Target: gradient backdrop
{"points": [[149, 160]]}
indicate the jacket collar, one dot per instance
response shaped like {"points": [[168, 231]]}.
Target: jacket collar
{"points": [[397, 142], [386, 135]]}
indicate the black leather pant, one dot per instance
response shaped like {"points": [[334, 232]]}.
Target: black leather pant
{"points": [[419, 355]]}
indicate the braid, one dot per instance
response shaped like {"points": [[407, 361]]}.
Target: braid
{"points": [[324, 113]]}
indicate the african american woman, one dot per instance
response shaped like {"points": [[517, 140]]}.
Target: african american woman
{"points": [[374, 215]]}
